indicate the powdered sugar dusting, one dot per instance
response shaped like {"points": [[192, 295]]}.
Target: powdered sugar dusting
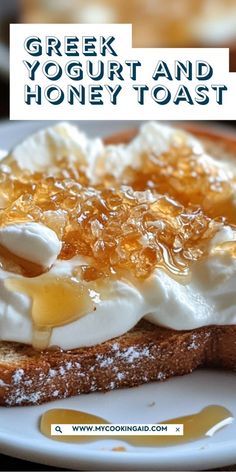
{"points": [[106, 362], [52, 373], [120, 375], [17, 376], [49, 383], [115, 347], [161, 376], [119, 367], [194, 344], [132, 353], [29, 398]]}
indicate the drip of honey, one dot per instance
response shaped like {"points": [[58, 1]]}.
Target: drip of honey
{"points": [[197, 426], [56, 301]]}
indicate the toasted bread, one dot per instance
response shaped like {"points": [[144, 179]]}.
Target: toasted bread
{"points": [[144, 354]]}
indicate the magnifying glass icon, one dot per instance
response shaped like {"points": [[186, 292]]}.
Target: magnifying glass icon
{"points": [[58, 429]]}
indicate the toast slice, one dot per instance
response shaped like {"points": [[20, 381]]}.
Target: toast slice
{"points": [[144, 354]]}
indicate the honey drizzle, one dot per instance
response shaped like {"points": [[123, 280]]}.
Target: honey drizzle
{"points": [[40, 337], [57, 301], [196, 426]]}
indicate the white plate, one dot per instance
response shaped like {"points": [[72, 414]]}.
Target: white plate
{"points": [[20, 437]]}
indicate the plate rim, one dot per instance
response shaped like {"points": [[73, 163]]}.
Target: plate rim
{"points": [[200, 457]]}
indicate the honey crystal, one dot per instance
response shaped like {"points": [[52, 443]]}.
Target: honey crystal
{"points": [[122, 229], [185, 177]]}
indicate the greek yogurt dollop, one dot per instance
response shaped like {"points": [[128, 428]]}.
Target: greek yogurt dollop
{"points": [[209, 298]]}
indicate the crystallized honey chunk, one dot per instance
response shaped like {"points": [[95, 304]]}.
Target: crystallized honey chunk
{"points": [[189, 179], [163, 217], [120, 230]]}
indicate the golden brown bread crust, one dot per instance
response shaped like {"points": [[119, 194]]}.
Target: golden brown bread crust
{"points": [[144, 354]]}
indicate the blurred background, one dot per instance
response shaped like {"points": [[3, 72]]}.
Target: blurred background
{"points": [[156, 23]]}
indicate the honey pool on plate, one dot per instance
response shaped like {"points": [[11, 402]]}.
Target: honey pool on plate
{"points": [[196, 426]]}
